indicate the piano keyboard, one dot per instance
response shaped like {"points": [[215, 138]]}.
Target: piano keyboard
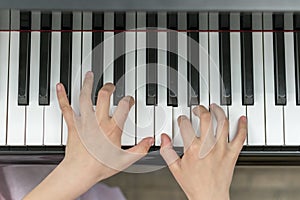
{"points": [[259, 69]]}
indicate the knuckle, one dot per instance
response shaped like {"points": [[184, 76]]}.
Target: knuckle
{"points": [[103, 93], [193, 147], [66, 108], [201, 108], [225, 124], [233, 152], [205, 116], [184, 122], [142, 148], [124, 103], [82, 98]]}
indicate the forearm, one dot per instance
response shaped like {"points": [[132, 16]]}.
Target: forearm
{"points": [[64, 182]]}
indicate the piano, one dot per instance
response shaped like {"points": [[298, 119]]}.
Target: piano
{"points": [[243, 55]]}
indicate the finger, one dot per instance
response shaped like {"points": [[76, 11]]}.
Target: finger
{"points": [[206, 127], [85, 101], [103, 101], [122, 111], [187, 131], [169, 154], [222, 122], [240, 137], [64, 105], [143, 146]]}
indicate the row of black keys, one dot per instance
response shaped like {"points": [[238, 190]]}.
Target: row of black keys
{"points": [[151, 58]]}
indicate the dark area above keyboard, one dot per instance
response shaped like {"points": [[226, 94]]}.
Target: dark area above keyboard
{"points": [[177, 5]]}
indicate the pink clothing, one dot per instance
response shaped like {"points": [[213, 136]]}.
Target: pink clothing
{"points": [[17, 180]]}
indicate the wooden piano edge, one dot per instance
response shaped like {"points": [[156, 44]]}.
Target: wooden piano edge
{"points": [[250, 155]]}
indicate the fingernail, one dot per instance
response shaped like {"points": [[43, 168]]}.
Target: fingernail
{"points": [[89, 74], [181, 118], [212, 105], [151, 142], [244, 118], [58, 87], [127, 98]]}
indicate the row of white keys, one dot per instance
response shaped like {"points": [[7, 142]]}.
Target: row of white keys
{"points": [[163, 112], [291, 111], [236, 109], [35, 113], [182, 108], [128, 136], [4, 56], [52, 115], [274, 114], [256, 112], [144, 113], [16, 114]]}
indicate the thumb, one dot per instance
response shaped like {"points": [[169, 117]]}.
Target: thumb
{"points": [[143, 146], [169, 154]]}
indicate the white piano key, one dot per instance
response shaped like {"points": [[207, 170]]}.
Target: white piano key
{"points": [[4, 57], [76, 70], [128, 136], [163, 113], [108, 59], [214, 65], [53, 116], [182, 108], [195, 119], [144, 114], [35, 113], [86, 44], [274, 114], [203, 70], [256, 112], [204, 60], [236, 109], [16, 114], [291, 111]]}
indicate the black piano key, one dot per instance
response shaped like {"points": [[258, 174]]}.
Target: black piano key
{"points": [[224, 52], [66, 52], [193, 59], [24, 58], [247, 59], [297, 55], [172, 60], [97, 57], [279, 60], [119, 56], [45, 59], [151, 60]]}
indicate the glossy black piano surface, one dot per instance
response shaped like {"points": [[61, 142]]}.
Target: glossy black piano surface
{"points": [[250, 156]]}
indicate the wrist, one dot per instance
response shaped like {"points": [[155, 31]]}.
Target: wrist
{"points": [[66, 181], [215, 196], [79, 173]]}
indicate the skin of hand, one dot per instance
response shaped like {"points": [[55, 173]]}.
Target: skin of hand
{"points": [[79, 170], [208, 177]]}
